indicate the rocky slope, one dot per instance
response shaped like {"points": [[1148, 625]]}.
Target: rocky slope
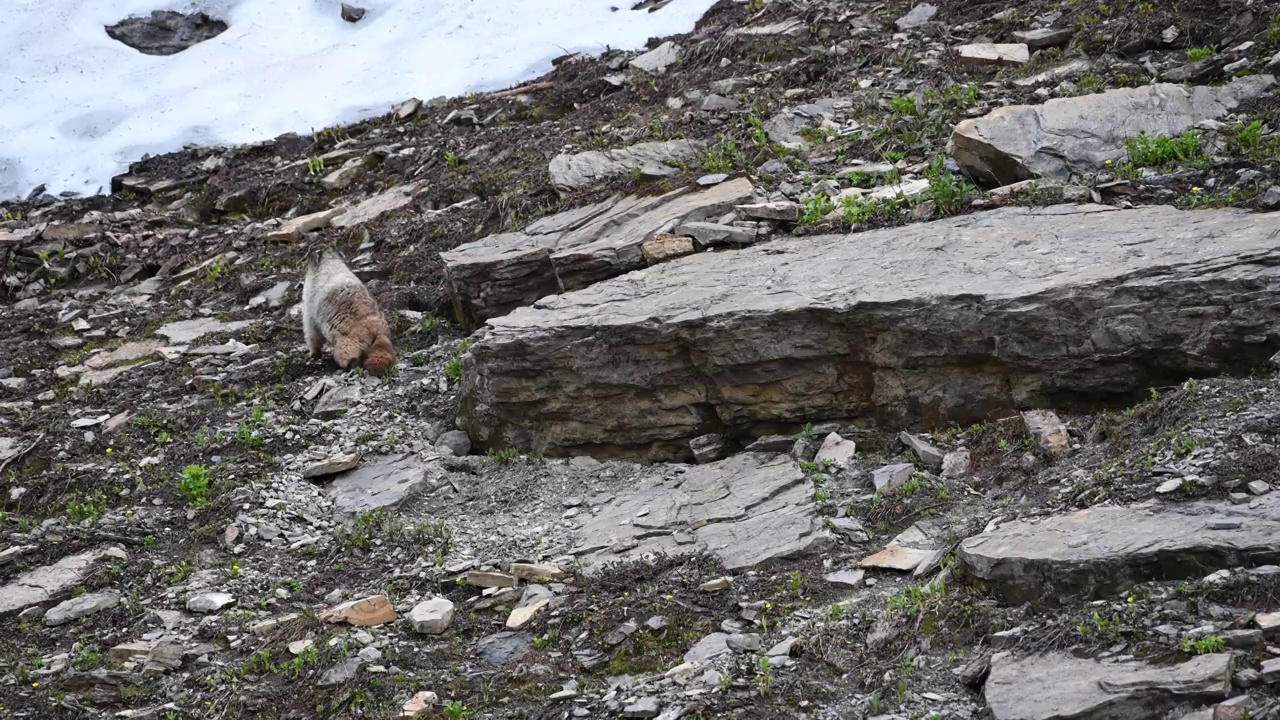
{"points": [[692, 351]]}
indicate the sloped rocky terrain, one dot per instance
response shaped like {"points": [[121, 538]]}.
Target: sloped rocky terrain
{"points": [[835, 360]]}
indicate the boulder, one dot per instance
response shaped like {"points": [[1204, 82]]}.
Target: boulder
{"points": [[165, 32], [574, 171], [951, 320], [1079, 134], [1095, 552], [431, 617], [1058, 686], [571, 250], [746, 510]]}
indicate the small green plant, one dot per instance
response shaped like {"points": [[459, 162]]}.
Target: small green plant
{"points": [[950, 192], [764, 679], [723, 157], [816, 208], [856, 210], [903, 105], [87, 507], [195, 484], [214, 271], [178, 572], [455, 710], [1203, 645], [795, 583], [505, 456], [451, 158], [315, 165], [1201, 53], [1148, 151], [453, 368]]}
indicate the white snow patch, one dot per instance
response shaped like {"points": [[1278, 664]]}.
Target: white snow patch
{"points": [[76, 106]]}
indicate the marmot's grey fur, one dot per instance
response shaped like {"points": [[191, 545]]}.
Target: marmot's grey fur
{"points": [[338, 308]]}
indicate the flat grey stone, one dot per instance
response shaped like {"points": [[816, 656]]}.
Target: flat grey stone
{"points": [[836, 451], [185, 332], [645, 707], [930, 456], [1091, 553], [785, 128], [504, 647], [431, 617], [891, 477], [1048, 431], [570, 172], [337, 402], [331, 466], [209, 602], [372, 208], [47, 583], [993, 54], [919, 15], [846, 578], [1061, 687], [1043, 37], [711, 646], [381, 482], [907, 332], [657, 60], [571, 250], [709, 448], [1056, 74], [454, 442], [719, 103], [711, 234], [10, 447], [344, 671], [83, 606], [744, 642], [1079, 134], [746, 510]]}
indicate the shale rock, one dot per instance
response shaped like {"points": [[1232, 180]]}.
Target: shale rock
{"points": [[1092, 552], [950, 320], [1079, 134]]}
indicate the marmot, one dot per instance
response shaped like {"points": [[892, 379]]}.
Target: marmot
{"points": [[338, 308]]}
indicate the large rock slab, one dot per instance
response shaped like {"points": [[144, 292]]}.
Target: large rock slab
{"points": [[1096, 552], [44, 584], [165, 32], [1079, 134], [573, 171], [381, 483], [746, 510], [1062, 687], [571, 250], [950, 320]]}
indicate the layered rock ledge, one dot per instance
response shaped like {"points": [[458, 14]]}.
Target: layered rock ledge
{"points": [[950, 320], [571, 250], [1095, 552]]}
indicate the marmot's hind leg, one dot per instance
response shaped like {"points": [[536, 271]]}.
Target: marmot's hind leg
{"points": [[315, 339]]}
